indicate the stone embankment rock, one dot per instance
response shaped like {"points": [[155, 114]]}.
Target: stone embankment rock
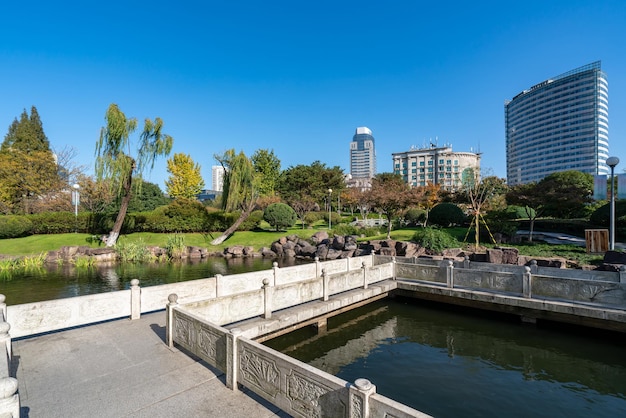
{"points": [[326, 248]]}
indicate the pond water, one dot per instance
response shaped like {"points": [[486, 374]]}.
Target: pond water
{"points": [[452, 363], [57, 282]]}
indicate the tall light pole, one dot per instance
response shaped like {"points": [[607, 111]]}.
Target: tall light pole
{"points": [[612, 162], [76, 201], [330, 195]]}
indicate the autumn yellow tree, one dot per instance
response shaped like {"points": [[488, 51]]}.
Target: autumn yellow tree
{"points": [[185, 179]]}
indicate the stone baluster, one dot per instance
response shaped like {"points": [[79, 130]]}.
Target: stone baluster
{"points": [[360, 393], [622, 274], [5, 337], [267, 298], [3, 306], [364, 268], [317, 267], [9, 398], [527, 282], [466, 262], [394, 264], [450, 274], [533, 266], [169, 319], [325, 280], [135, 299], [218, 280], [232, 359], [276, 273]]}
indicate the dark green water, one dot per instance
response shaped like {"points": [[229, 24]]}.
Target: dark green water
{"points": [[57, 282], [457, 364]]}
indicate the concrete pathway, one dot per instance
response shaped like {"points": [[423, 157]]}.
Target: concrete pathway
{"points": [[123, 369]]}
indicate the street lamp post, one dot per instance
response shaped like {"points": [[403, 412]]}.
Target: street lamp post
{"points": [[330, 195], [76, 201], [612, 162]]}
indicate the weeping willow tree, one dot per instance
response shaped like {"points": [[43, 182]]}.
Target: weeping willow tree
{"points": [[240, 191], [116, 163]]}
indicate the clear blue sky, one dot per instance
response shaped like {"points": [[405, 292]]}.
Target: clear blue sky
{"points": [[299, 77]]}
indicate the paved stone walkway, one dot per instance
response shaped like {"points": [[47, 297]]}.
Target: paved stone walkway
{"points": [[123, 369]]}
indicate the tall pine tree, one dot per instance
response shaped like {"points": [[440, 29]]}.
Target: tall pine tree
{"points": [[26, 134]]}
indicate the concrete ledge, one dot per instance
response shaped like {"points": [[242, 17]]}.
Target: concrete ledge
{"points": [[308, 313], [584, 314]]}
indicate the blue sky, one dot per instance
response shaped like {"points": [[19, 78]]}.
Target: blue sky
{"points": [[299, 77]]}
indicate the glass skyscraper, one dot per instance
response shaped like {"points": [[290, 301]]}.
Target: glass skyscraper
{"points": [[362, 154], [559, 124]]}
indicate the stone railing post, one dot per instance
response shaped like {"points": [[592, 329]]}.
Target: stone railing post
{"points": [[359, 403], [533, 266], [218, 279], [169, 318], [9, 398], [347, 264], [318, 270], [364, 270], [232, 359], [3, 306], [450, 274], [325, 286], [622, 274], [466, 262], [135, 299], [276, 272], [267, 298], [5, 337], [394, 264], [527, 282]]}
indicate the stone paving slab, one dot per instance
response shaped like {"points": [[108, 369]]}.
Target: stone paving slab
{"points": [[123, 369]]}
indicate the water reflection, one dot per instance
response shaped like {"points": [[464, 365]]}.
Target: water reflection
{"points": [[454, 364], [63, 281]]}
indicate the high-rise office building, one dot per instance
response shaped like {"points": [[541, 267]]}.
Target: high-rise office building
{"points": [[559, 124], [217, 174], [435, 165], [362, 154]]}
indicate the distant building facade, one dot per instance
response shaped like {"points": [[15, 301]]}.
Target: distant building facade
{"points": [[362, 154], [217, 176], [559, 124], [435, 165]]}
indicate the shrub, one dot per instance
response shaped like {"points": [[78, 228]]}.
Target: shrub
{"points": [[346, 229], [280, 216], [175, 246], [434, 239], [133, 251], [14, 226], [252, 222], [415, 216], [59, 222], [311, 217], [601, 216], [446, 214]]}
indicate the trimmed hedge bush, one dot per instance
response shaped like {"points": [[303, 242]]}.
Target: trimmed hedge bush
{"points": [[445, 215], [280, 216], [15, 226]]}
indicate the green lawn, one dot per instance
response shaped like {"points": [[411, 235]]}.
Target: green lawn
{"points": [[37, 244]]}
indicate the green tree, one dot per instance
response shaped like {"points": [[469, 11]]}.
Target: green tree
{"points": [[27, 134], [310, 181], [567, 194], [389, 195], [267, 170], [279, 216], [28, 169], [239, 192], [114, 159], [185, 180]]}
